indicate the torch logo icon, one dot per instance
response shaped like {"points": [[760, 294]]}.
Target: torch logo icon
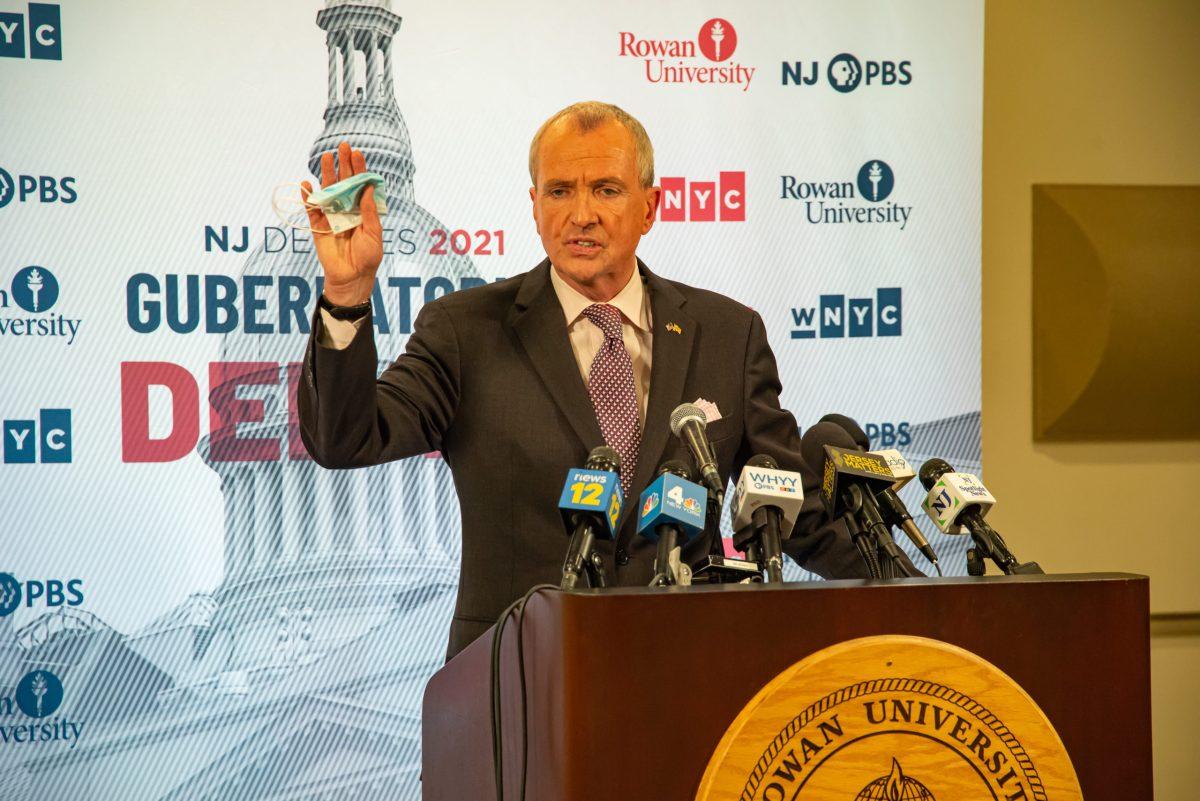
{"points": [[35, 289], [873, 175], [717, 39], [876, 180], [39, 693], [34, 282], [717, 33], [38, 688]]}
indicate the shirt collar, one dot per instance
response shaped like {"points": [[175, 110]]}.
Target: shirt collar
{"points": [[630, 301]]}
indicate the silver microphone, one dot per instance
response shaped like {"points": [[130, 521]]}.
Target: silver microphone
{"points": [[688, 422]]}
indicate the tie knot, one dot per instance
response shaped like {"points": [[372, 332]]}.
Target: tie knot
{"points": [[607, 318]]}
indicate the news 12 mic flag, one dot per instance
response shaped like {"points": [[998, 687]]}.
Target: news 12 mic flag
{"points": [[189, 607]]}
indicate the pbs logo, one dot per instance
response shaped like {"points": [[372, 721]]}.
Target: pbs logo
{"points": [[889, 435], [846, 73], [53, 593], [36, 189]]}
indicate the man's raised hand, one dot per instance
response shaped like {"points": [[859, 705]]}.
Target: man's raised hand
{"points": [[351, 258]]}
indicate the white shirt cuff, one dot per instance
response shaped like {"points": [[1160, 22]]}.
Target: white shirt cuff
{"points": [[338, 334]]}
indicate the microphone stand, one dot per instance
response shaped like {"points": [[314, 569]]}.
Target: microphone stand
{"points": [[582, 557], [713, 512], [664, 573], [748, 540], [767, 524], [595, 571], [990, 545], [888, 560], [862, 542], [579, 555]]}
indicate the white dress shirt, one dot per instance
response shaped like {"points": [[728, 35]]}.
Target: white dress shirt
{"points": [[586, 337]]}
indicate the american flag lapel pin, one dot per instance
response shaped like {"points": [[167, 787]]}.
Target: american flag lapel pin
{"points": [[674, 328]]}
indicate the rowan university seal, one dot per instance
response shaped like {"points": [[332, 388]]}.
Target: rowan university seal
{"points": [[891, 718]]}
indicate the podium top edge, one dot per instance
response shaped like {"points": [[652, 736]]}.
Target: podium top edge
{"points": [[892, 584]]}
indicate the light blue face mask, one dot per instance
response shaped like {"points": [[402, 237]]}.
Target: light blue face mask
{"points": [[338, 202]]}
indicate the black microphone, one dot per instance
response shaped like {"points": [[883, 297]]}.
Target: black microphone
{"points": [[688, 422], [851, 427], [965, 488], [812, 449], [586, 524], [892, 507], [766, 520], [850, 479]]}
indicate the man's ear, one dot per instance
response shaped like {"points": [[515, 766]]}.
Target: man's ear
{"points": [[533, 205], [653, 196]]}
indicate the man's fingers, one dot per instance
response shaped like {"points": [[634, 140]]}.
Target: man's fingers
{"points": [[327, 169], [345, 170], [316, 220], [369, 211], [358, 161]]}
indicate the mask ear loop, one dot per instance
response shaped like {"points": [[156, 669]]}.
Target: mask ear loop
{"points": [[300, 208]]}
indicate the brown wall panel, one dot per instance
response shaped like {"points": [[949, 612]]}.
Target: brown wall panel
{"points": [[1116, 312]]}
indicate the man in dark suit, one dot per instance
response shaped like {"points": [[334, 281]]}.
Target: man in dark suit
{"points": [[515, 382]]}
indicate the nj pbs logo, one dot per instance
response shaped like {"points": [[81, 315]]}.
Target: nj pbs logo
{"points": [[53, 593], [41, 29]]}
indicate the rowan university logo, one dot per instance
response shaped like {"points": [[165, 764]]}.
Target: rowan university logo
{"points": [[891, 718]]}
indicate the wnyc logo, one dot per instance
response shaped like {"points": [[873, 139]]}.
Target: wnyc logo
{"points": [[679, 60], [704, 201], [837, 316], [46, 439], [846, 73], [45, 33]]}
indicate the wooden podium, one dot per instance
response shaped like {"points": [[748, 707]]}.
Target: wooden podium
{"points": [[631, 692]]}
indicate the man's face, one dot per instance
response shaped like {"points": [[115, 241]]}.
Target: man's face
{"points": [[589, 204]]}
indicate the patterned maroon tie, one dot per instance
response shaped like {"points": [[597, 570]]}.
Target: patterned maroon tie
{"points": [[611, 387]]}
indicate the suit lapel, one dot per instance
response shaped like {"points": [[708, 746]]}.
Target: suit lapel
{"points": [[674, 332], [537, 318]]}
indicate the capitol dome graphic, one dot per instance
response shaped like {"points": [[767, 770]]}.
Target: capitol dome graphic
{"points": [[340, 544], [301, 675]]}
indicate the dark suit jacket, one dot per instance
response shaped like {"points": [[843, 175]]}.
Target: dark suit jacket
{"points": [[489, 379]]}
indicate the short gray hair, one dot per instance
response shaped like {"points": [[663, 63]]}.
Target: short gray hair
{"points": [[589, 115]]}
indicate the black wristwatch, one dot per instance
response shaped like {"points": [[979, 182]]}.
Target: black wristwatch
{"points": [[344, 312]]}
